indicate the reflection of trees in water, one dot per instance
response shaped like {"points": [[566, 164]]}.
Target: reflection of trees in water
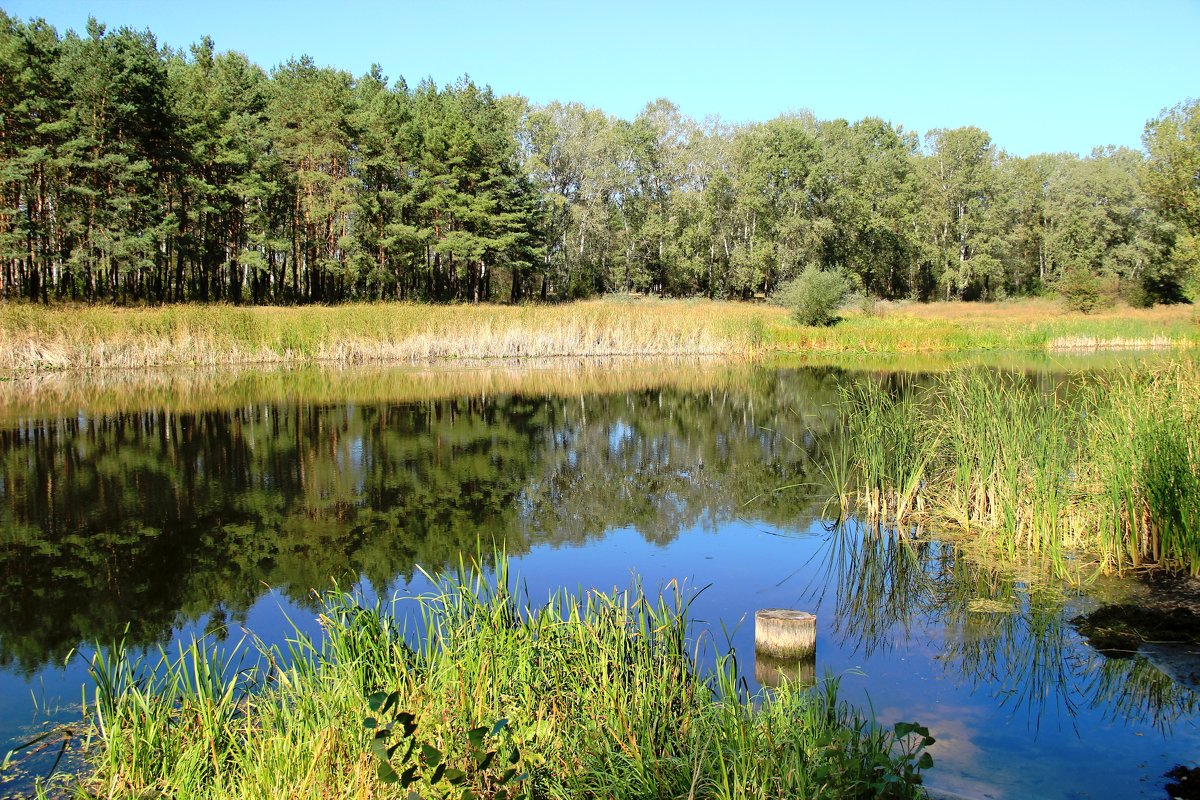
{"points": [[156, 517], [998, 629]]}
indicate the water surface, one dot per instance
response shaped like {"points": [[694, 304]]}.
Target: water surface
{"points": [[162, 505]]}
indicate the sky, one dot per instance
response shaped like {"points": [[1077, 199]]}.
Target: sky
{"points": [[1038, 76]]}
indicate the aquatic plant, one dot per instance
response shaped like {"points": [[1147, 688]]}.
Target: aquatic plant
{"points": [[1106, 468], [602, 696]]}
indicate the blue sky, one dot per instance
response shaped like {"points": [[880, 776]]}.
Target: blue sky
{"points": [[1039, 76]]}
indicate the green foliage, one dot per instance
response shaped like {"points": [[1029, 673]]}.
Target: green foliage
{"points": [[815, 296], [1084, 290], [131, 173], [404, 760], [599, 694], [1169, 176]]}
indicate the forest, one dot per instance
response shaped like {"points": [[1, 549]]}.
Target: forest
{"points": [[132, 173]]}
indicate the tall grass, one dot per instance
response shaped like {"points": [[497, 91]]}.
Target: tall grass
{"points": [[891, 447], [1109, 468], [1029, 324], [1144, 468], [33, 338], [602, 693]]}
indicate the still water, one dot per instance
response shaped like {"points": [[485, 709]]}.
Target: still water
{"points": [[167, 505]]}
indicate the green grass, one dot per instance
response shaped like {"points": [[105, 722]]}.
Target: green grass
{"points": [[1031, 324], [602, 696], [1105, 468]]}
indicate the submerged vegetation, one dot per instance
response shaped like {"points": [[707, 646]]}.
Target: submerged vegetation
{"points": [[1108, 467], [1006, 625], [599, 697]]}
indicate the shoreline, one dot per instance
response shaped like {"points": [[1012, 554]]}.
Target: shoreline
{"points": [[40, 340]]}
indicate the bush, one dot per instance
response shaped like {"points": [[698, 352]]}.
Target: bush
{"points": [[1083, 290], [815, 296]]}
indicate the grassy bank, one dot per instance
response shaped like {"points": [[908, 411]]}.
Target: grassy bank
{"points": [[35, 338], [600, 697], [1028, 324], [1111, 471]]}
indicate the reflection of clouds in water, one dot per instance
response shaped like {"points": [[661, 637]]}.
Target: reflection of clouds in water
{"points": [[956, 753]]}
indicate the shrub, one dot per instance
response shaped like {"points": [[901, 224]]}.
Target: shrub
{"points": [[815, 296], [1081, 289]]}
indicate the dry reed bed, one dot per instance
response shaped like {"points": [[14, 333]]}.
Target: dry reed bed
{"points": [[1111, 343], [33, 338]]}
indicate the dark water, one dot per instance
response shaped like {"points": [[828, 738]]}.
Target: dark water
{"points": [[180, 505]]}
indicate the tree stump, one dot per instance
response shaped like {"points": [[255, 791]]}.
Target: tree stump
{"points": [[785, 634]]}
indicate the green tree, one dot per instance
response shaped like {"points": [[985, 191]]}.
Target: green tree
{"points": [[120, 146], [309, 112], [959, 182], [1171, 177]]}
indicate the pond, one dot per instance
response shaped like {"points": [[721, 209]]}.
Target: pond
{"points": [[164, 505]]}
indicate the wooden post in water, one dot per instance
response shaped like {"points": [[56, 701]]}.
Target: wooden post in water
{"points": [[785, 646], [784, 633]]}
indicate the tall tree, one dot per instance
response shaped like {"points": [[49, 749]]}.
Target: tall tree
{"points": [[959, 182], [1171, 178]]}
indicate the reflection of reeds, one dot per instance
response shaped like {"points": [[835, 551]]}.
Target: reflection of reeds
{"points": [[1135, 690], [1017, 640], [881, 584], [1000, 629], [1110, 467], [101, 391]]}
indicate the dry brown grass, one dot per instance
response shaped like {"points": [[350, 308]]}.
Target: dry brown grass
{"points": [[34, 339]]}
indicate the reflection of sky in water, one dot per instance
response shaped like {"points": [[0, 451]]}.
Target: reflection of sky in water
{"points": [[171, 513], [992, 742]]}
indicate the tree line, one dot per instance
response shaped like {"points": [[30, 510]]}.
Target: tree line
{"points": [[134, 173]]}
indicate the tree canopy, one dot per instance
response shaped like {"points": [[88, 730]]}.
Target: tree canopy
{"points": [[133, 173]]}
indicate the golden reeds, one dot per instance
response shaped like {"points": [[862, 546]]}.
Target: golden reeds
{"points": [[34, 338]]}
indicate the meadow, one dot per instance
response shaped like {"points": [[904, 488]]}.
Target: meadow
{"points": [[36, 338]]}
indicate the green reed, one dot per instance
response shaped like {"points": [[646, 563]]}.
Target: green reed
{"points": [[1145, 468], [1103, 468], [602, 693], [892, 444]]}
